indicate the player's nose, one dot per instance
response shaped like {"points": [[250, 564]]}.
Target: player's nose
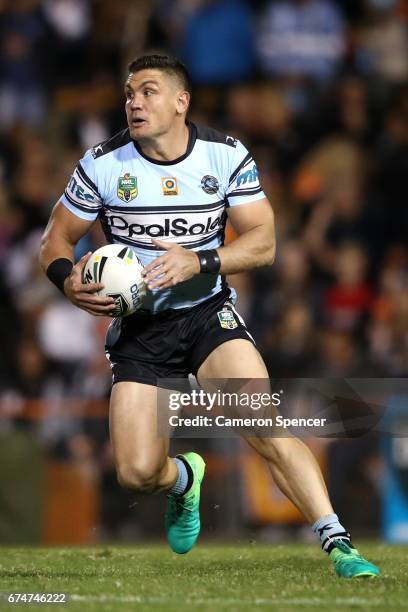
{"points": [[136, 102]]}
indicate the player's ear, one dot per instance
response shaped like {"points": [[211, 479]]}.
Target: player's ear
{"points": [[182, 102]]}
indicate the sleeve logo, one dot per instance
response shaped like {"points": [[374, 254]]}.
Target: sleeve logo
{"points": [[127, 187], [78, 191], [249, 176]]}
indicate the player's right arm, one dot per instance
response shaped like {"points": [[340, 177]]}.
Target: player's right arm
{"points": [[62, 233]]}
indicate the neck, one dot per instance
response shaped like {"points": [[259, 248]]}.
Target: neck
{"points": [[169, 146]]}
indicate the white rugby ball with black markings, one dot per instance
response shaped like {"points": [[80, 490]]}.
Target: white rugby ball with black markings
{"points": [[119, 269]]}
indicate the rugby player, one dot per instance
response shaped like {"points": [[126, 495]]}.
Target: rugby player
{"points": [[164, 187]]}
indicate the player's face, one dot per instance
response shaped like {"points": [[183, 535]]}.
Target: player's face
{"points": [[153, 100]]}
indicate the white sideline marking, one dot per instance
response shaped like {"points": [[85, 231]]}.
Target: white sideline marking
{"points": [[348, 601]]}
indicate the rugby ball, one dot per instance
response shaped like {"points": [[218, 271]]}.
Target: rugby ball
{"points": [[119, 269]]}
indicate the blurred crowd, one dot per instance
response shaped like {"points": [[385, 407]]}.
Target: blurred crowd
{"points": [[316, 89]]}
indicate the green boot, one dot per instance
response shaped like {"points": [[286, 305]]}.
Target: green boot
{"points": [[348, 563], [183, 511]]}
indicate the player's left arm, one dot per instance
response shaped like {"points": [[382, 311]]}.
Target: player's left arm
{"points": [[254, 247]]}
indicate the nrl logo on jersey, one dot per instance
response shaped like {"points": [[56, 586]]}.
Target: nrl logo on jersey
{"points": [[227, 319], [127, 187]]}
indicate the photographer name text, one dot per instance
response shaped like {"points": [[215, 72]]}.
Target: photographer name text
{"points": [[223, 421]]}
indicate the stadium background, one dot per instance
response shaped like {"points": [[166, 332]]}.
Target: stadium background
{"points": [[318, 91]]}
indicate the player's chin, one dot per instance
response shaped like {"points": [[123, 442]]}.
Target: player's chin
{"points": [[139, 131]]}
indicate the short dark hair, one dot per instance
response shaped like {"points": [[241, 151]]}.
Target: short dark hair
{"points": [[166, 63]]}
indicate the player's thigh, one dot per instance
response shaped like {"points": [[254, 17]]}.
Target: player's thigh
{"points": [[237, 358], [134, 427]]}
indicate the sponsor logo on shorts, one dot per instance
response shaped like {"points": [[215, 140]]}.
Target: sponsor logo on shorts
{"points": [[127, 187], [169, 186], [227, 319], [209, 184]]}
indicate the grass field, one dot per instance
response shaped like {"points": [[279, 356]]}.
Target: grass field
{"points": [[241, 577]]}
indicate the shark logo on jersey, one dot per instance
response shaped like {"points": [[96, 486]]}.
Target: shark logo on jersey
{"points": [[127, 187], [209, 184]]}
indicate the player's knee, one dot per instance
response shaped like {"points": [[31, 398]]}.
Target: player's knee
{"points": [[139, 477]]}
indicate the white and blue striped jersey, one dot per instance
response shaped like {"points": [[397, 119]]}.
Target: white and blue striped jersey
{"points": [[137, 198]]}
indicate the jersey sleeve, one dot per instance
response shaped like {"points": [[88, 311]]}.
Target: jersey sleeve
{"points": [[81, 195], [243, 183]]}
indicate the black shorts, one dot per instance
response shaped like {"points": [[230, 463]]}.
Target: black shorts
{"points": [[144, 347]]}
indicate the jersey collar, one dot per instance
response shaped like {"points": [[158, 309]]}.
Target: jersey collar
{"points": [[191, 142]]}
